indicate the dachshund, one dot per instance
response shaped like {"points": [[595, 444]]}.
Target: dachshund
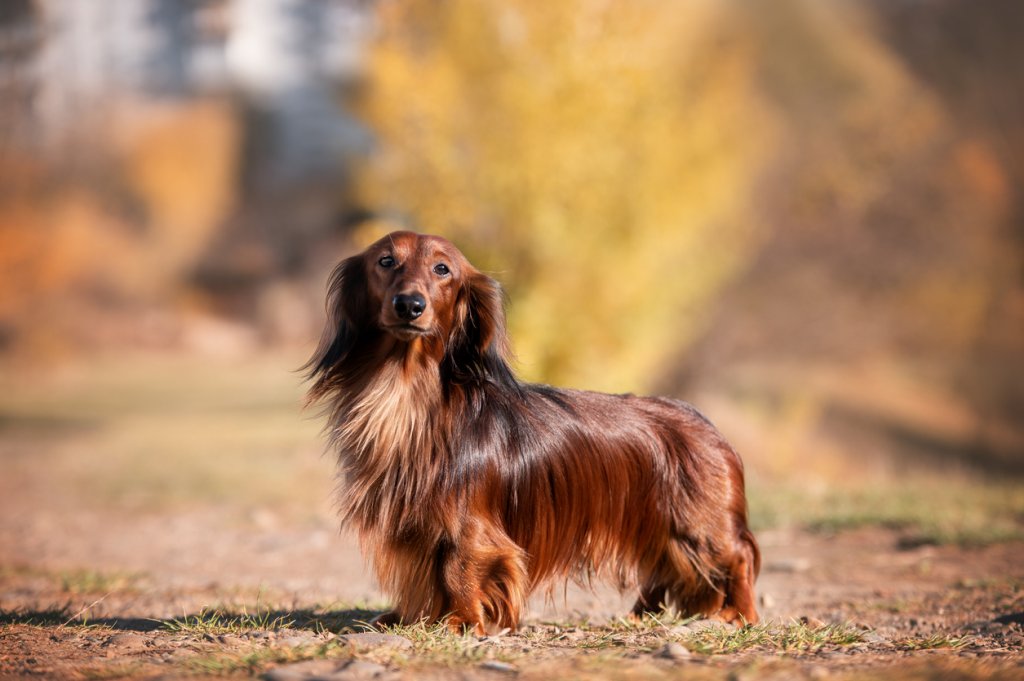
{"points": [[470, 488]]}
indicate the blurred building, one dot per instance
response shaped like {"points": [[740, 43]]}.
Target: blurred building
{"points": [[20, 36], [66, 63]]}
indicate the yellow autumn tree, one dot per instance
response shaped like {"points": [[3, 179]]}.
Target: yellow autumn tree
{"points": [[597, 157]]}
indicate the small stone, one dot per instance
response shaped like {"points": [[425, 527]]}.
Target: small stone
{"points": [[370, 640], [672, 651], [126, 642], [496, 666], [356, 669], [295, 641], [873, 637], [301, 671], [811, 621]]}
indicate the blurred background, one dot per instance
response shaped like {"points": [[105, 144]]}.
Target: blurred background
{"points": [[804, 216]]}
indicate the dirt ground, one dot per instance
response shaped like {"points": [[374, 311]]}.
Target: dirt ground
{"points": [[111, 597], [144, 535]]}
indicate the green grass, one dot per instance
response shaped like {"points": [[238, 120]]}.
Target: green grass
{"points": [[923, 510], [238, 619], [76, 581], [213, 621], [337, 618], [771, 637], [95, 581], [933, 642], [259, 660], [160, 434], [437, 644], [572, 646]]}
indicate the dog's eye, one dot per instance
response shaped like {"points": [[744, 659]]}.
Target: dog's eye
{"points": [[441, 269], [386, 261]]}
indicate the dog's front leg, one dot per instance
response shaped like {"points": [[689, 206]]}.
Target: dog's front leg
{"points": [[461, 577], [476, 579], [486, 579], [386, 620]]}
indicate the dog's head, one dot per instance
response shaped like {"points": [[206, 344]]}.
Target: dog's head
{"points": [[419, 291]]}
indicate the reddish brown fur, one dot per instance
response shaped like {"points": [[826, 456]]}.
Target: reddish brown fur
{"points": [[469, 489]]}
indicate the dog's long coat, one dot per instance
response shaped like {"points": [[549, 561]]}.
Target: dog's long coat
{"points": [[469, 488]]}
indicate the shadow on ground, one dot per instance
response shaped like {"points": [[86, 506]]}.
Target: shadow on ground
{"points": [[221, 620]]}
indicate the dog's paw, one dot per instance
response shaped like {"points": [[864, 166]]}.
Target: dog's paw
{"points": [[732, 616], [385, 620]]}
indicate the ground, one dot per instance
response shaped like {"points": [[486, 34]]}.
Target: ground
{"points": [[164, 519]]}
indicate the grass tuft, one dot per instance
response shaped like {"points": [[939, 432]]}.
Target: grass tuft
{"points": [[769, 636], [933, 642], [213, 621]]}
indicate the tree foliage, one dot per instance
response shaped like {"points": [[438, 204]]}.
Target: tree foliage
{"points": [[597, 157]]}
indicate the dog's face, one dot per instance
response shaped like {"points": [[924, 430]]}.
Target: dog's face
{"points": [[413, 283], [417, 290]]}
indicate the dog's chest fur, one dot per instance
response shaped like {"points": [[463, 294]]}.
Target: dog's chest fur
{"points": [[386, 433]]}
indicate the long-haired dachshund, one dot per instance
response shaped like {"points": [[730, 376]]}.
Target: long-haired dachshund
{"points": [[469, 488]]}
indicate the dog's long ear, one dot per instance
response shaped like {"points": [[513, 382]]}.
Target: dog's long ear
{"points": [[346, 319], [478, 349]]}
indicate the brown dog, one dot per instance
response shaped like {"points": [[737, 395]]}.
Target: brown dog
{"points": [[469, 488]]}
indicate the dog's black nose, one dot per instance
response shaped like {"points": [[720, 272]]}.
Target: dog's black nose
{"points": [[409, 307]]}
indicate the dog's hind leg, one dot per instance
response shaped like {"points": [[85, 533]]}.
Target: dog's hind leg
{"points": [[651, 600], [739, 605], [692, 584], [722, 589], [740, 601]]}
